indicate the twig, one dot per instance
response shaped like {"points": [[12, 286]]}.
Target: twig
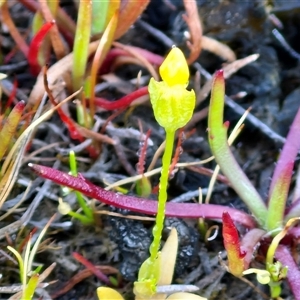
{"points": [[56, 40], [7, 20], [159, 35], [285, 44], [193, 21], [81, 276], [119, 149], [218, 48]]}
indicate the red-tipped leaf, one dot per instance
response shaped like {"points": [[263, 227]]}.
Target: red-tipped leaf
{"points": [[10, 126], [232, 245], [34, 48]]}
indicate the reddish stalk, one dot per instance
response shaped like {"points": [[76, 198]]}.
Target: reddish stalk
{"points": [[113, 53], [123, 102], [71, 125], [91, 267], [25, 241], [181, 210], [68, 122], [143, 151], [34, 48], [283, 254], [178, 151], [80, 276]]}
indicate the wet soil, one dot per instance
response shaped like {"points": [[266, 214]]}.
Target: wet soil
{"points": [[269, 85]]}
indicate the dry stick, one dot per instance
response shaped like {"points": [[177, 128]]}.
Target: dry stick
{"points": [[140, 57], [119, 149], [80, 276], [88, 133], [159, 35], [7, 20], [58, 70], [193, 21], [218, 48]]}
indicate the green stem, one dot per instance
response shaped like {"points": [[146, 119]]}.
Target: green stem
{"points": [[99, 15], [81, 42], [82, 218], [80, 199], [162, 196]]}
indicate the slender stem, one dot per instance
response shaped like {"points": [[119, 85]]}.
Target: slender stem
{"points": [[223, 155], [162, 196], [82, 218], [80, 199], [179, 210]]}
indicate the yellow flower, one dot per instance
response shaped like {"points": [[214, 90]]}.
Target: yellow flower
{"points": [[172, 103], [174, 70]]}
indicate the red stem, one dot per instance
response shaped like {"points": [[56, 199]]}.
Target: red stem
{"points": [[182, 210], [34, 48], [123, 102], [115, 52], [91, 267], [283, 254]]}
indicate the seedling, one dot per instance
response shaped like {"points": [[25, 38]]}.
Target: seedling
{"points": [[65, 209], [270, 217], [268, 221], [25, 261], [173, 107], [164, 289]]}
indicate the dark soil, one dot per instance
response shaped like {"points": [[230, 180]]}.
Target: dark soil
{"points": [[271, 86]]}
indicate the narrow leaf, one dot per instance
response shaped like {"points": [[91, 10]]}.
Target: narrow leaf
{"points": [[282, 175], [34, 47], [81, 42], [98, 273], [217, 135], [10, 126], [187, 210]]}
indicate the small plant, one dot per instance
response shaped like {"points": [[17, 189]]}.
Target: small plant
{"points": [[31, 279], [173, 107], [269, 224], [164, 289], [65, 209], [271, 217]]}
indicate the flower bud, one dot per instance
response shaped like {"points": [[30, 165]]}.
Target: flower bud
{"points": [[172, 103]]}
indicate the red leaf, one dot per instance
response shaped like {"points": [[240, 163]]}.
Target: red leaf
{"points": [[183, 210], [232, 245], [34, 47], [123, 102]]}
